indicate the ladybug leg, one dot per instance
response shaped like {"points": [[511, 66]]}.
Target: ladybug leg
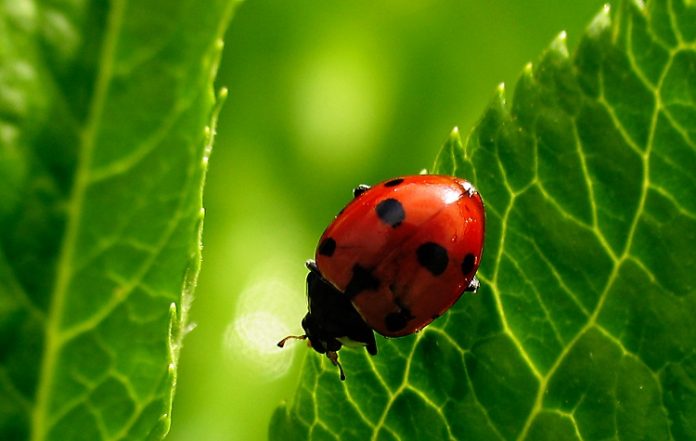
{"points": [[473, 285], [363, 335], [469, 189], [312, 266], [360, 189], [333, 356], [371, 344]]}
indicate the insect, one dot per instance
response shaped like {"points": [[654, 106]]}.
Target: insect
{"points": [[399, 255]]}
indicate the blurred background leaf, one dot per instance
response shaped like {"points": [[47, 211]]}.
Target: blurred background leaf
{"points": [[104, 130], [581, 328]]}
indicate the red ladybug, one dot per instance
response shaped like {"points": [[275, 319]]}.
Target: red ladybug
{"points": [[395, 258]]}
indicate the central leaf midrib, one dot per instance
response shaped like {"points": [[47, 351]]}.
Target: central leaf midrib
{"points": [[52, 341]]}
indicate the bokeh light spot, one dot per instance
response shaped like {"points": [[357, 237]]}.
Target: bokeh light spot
{"points": [[253, 336], [267, 311]]}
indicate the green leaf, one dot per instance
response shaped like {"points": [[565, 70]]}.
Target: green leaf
{"points": [[105, 128], [582, 327]]}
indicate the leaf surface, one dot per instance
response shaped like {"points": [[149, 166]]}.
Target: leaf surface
{"points": [[105, 127], [582, 327]]}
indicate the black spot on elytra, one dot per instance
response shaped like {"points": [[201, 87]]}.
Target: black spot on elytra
{"points": [[394, 182], [468, 264], [396, 321], [391, 212], [362, 280], [433, 257], [327, 247]]}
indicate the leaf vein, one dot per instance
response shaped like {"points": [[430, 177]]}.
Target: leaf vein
{"points": [[52, 344]]}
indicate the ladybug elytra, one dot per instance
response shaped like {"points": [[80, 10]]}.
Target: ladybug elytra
{"points": [[398, 256]]}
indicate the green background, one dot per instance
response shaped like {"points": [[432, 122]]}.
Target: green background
{"points": [[323, 96]]}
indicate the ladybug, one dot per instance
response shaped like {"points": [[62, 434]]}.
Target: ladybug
{"points": [[399, 255]]}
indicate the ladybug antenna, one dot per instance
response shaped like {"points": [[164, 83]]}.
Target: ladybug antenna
{"points": [[333, 356], [290, 337]]}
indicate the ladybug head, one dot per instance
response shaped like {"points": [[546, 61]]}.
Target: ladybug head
{"points": [[321, 338], [318, 341]]}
